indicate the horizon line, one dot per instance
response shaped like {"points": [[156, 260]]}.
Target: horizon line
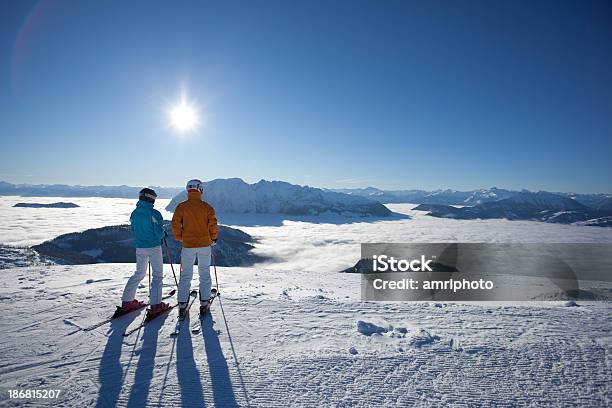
{"points": [[303, 185]]}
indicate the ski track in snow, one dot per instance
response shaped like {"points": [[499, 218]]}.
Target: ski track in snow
{"points": [[292, 339]]}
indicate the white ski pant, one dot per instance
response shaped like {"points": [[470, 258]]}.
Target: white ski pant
{"points": [[143, 257], [188, 257]]}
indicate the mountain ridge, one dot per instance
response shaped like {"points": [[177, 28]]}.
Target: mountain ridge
{"points": [[469, 197], [235, 196], [416, 196], [541, 206]]}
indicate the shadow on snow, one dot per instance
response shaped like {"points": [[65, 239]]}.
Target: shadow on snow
{"points": [[223, 391], [112, 373], [187, 372]]}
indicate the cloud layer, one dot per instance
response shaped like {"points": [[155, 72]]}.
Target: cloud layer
{"points": [[324, 245]]}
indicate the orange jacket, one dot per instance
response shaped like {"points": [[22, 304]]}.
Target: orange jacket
{"points": [[194, 222]]}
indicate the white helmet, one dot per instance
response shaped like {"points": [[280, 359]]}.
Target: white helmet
{"points": [[195, 184]]}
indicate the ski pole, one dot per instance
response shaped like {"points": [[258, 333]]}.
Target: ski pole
{"points": [[212, 257], [171, 262], [149, 281]]}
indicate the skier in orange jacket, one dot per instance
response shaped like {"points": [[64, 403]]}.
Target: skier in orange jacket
{"points": [[194, 224]]}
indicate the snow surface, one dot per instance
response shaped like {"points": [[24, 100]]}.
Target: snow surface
{"points": [[283, 338]]}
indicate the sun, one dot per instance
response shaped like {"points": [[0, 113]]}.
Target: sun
{"points": [[183, 117]]}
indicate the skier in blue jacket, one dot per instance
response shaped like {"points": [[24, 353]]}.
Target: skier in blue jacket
{"points": [[147, 227]]}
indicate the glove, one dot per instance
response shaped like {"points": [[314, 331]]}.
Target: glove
{"points": [[214, 242]]}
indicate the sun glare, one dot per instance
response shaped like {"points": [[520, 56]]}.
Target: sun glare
{"points": [[183, 117]]}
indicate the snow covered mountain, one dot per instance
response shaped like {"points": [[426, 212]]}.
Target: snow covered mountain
{"points": [[446, 197], [384, 196], [540, 200], [488, 194], [234, 196], [540, 206], [455, 197]]}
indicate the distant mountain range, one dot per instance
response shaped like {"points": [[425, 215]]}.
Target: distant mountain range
{"points": [[64, 190], [540, 206], [236, 196], [564, 208], [471, 197], [447, 197]]}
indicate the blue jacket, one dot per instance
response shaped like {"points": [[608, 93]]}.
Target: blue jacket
{"points": [[147, 225]]}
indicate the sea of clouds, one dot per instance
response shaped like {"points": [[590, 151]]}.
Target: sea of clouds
{"points": [[325, 244], [31, 226], [332, 247]]}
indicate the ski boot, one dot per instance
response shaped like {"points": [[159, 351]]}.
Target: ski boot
{"points": [[205, 306], [156, 310], [128, 306], [183, 311], [204, 309]]}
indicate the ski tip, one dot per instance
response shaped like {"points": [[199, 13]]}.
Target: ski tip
{"points": [[172, 292]]}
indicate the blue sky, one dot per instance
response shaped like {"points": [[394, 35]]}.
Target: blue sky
{"points": [[427, 94]]}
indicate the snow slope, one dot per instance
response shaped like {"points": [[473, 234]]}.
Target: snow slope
{"points": [[283, 338]]}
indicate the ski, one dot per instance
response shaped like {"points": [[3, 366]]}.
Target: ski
{"points": [[145, 321], [180, 320], [113, 317]]}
